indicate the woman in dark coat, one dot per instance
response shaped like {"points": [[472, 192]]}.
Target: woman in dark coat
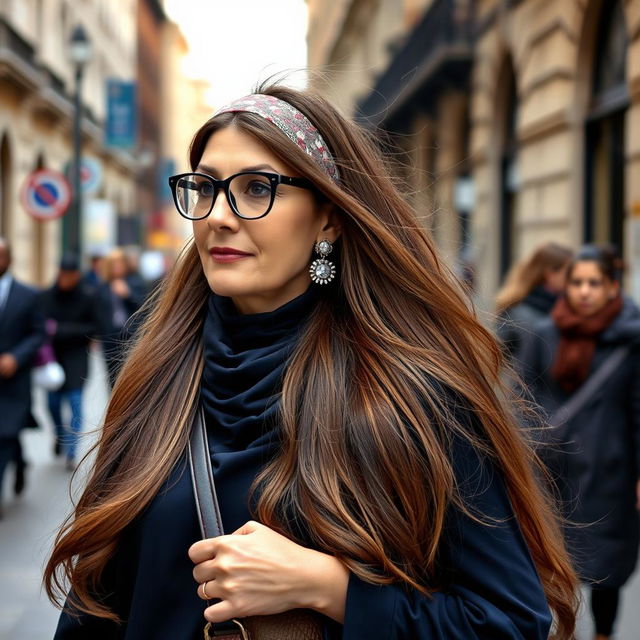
{"points": [[117, 299], [364, 466], [595, 456], [530, 290]]}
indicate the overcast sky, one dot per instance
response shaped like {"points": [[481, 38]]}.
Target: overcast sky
{"points": [[235, 43]]}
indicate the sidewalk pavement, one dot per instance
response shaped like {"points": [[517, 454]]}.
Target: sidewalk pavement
{"points": [[31, 522]]}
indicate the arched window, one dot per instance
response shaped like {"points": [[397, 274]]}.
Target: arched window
{"points": [[509, 173], [463, 189], [605, 129]]}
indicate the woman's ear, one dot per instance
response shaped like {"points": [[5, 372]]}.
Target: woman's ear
{"points": [[331, 226]]}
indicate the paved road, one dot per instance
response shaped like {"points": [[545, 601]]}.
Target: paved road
{"points": [[27, 531]]}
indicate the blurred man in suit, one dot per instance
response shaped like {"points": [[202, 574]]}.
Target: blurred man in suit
{"points": [[21, 334]]}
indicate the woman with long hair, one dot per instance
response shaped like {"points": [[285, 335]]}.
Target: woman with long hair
{"points": [[595, 452], [529, 292], [365, 463], [117, 300]]}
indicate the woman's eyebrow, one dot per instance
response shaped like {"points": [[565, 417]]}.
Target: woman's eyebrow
{"points": [[213, 172]]}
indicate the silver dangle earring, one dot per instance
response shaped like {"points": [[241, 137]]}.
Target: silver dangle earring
{"points": [[322, 270]]}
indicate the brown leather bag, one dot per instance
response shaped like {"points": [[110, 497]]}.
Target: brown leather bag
{"points": [[298, 624]]}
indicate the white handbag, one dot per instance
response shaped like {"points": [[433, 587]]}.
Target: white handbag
{"points": [[47, 371], [49, 376]]}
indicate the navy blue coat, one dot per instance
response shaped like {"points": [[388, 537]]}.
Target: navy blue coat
{"points": [[490, 588], [104, 309], [597, 458], [77, 322], [515, 323], [21, 334]]}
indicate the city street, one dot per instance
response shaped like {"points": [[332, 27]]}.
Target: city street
{"points": [[444, 164], [30, 523]]}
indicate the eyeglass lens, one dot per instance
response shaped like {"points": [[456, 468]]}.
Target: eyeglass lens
{"points": [[249, 194]]}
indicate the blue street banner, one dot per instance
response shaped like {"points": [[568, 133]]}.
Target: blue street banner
{"points": [[121, 125], [167, 168]]}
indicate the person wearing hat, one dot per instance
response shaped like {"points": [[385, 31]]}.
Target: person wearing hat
{"points": [[71, 321]]}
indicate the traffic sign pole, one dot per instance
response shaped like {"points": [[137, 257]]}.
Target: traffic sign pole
{"points": [[74, 226]]}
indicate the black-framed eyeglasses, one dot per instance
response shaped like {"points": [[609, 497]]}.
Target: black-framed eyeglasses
{"points": [[250, 194]]}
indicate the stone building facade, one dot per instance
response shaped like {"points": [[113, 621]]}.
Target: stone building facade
{"points": [[151, 21], [520, 118], [132, 40], [36, 112]]}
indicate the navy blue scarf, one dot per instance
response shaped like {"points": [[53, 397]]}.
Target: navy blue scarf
{"points": [[244, 361]]}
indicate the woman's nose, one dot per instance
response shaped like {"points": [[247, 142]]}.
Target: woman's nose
{"points": [[222, 215]]}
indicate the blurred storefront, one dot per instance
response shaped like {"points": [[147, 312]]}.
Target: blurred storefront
{"points": [[185, 109], [150, 25], [172, 106], [521, 118]]}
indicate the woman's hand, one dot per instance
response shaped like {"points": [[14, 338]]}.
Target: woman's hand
{"points": [[256, 571], [8, 365], [120, 288]]}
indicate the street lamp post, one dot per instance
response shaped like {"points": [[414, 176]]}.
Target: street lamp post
{"points": [[80, 54]]}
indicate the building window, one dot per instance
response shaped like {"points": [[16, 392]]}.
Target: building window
{"points": [[605, 130], [509, 173], [463, 194]]}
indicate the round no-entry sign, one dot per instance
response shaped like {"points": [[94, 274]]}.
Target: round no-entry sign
{"points": [[46, 194]]}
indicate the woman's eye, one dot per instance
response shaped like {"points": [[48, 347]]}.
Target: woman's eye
{"points": [[206, 189], [259, 189]]}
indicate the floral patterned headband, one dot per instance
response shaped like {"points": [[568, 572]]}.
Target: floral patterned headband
{"points": [[294, 124]]}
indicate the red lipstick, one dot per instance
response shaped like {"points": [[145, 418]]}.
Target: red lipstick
{"points": [[227, 254]]}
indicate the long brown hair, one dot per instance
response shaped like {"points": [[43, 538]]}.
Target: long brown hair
{"points": [[529, 273], [365, 462]]}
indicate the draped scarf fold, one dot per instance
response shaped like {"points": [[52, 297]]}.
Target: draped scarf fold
{"points": [[244, 361], [578, 337]]}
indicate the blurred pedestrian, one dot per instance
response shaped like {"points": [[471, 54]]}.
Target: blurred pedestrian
{"points": [[117, 299], [92, 277], [529, 292], [354, 391], [71, 309], [134, 278], [21, 334], [595, 434]]}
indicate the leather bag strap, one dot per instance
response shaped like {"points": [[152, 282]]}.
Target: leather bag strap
{"points": [[204, 488], [569, 409], [204, 491]]}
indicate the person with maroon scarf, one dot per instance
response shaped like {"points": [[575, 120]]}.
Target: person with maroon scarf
{"points": [[595, 457]]}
